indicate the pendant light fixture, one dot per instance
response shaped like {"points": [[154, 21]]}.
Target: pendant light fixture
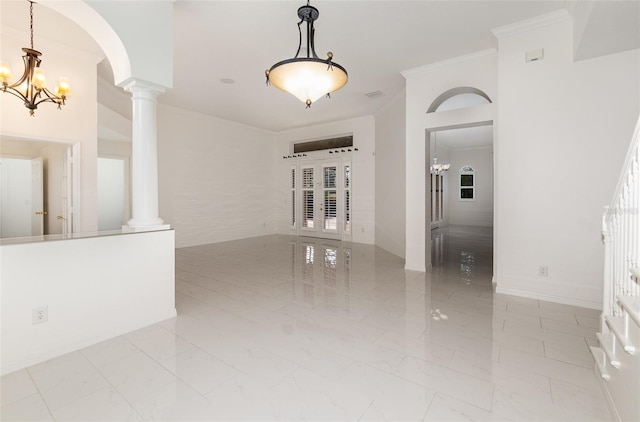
{"points": [[307, 77], [31, 88], [437, 168]]}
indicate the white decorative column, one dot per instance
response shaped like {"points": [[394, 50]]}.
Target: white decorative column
{"points": [[144, 158]]}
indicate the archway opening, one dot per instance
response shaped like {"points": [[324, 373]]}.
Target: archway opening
{"points": [[463, 140]]}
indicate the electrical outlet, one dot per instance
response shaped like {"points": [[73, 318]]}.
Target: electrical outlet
{"points": [[40, 315], [543, 271]]}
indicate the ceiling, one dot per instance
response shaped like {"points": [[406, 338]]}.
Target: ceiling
{"points": [[465, 138], [374, 40]]}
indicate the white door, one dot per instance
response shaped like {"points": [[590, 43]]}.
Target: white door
{"points": [[37, 197], [16, 199], [323, 198]]}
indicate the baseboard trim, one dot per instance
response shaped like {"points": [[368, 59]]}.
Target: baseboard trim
{"points": [[613, 412], [419, 270], [57, 350], [551, 298]]}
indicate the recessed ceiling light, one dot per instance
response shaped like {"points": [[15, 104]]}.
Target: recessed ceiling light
{"points": [[227, 81]]}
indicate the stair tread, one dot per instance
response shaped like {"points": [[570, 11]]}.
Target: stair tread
{"points": [[632, 306], [606, 344], [632, 301], [599, 357], [617, 327]]}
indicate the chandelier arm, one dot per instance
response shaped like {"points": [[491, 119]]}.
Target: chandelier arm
{"points": [[15, 92], [29, 67], [299, 39], [58, 101], [313, 41], [309, 26], [49, 96]]}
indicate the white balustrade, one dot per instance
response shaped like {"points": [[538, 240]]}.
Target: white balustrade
{"points": [[621, 234]]}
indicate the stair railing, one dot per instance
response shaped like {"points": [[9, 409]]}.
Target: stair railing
{"points": [[621, 234]]}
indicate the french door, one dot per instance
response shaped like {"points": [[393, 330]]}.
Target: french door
{"points": [[322, 199]]}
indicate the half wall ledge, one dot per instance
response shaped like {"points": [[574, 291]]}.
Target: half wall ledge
{"points": [[95, 286]]}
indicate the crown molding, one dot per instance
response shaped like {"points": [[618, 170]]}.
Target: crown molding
{"points": [[537, 22], [448, 62]]}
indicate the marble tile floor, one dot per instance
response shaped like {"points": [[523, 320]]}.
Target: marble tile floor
{"points": [[288, 328]]}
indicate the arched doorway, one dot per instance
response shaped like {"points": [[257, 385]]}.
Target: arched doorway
{"points": [[462, 120]]}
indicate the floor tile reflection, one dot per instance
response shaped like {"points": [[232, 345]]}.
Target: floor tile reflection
{"points": [[293, 328]]}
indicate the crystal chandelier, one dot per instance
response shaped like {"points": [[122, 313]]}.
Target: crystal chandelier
{"points": [[308, 78], [31, 87], [437, 168]]}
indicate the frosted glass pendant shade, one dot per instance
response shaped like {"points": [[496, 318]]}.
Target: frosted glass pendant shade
{"points": [[38, 79], [307, 79]]}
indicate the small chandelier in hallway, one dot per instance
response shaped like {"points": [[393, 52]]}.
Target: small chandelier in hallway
{"points": [[437, 168], [31, 87], [308, 78]]}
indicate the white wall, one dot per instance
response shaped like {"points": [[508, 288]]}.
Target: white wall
{"points": [[146, 30], [390, 176], [133, 53], [114, 149], [478, 212], [363, 178], [90, 299], [564, 128], [75, 123], [215, 178]]}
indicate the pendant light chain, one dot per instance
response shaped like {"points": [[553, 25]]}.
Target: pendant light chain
{"points": [[31, 21]]}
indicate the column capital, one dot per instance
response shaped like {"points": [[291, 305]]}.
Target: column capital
{"points": [[135, 85]]}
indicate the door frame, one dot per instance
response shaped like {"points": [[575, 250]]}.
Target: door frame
{"points": [[72, 208], [318, 165]]}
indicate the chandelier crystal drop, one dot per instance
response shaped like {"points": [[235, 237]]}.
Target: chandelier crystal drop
{"points": [[306, 76], [31, 88]]}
